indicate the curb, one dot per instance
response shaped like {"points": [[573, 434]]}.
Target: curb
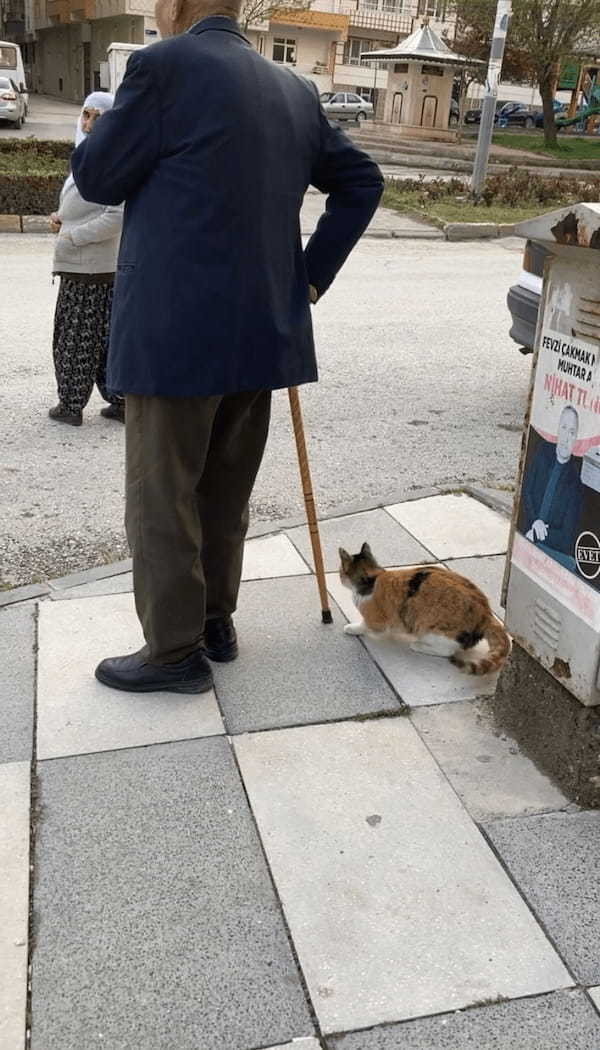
{"points": [[477, 231], [432, 229], [24, 224], [39, 224], [32, 591]]}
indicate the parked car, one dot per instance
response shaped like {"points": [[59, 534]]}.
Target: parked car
{"points": [[560, 110], [523, 299], [518, 116], [473, 116], [12, 103], [346, 105]]}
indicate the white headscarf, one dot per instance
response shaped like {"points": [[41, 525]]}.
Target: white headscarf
{"points": [[100, 100]]}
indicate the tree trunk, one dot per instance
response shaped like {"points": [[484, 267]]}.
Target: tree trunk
{"points": [[547, 91]]}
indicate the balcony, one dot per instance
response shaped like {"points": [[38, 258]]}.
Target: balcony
{"points": [[376, 15], [62, 12]]}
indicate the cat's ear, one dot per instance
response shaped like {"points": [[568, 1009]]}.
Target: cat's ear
{"points": [[344, 556], [366, 552]]}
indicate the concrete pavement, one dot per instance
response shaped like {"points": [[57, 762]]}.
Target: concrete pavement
{"points": [[315, 856]]}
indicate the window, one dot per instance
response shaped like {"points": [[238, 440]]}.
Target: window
{"points": [[400, 67], [432, 71], [284, 50], [435, 8], [8, 57], [339, 99], [353, 98], [366, 94], [355, 47]]}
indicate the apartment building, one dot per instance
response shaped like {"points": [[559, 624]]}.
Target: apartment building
{"points": [[65, 41], [370, 24]]}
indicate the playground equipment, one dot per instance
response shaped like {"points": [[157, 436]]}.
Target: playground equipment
{"points": [[585, 101]]}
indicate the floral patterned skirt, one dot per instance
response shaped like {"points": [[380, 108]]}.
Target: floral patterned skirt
{"points": [[81, 337]]}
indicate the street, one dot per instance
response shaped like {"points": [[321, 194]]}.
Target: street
{"points": [[420, 385], [48, 118]]}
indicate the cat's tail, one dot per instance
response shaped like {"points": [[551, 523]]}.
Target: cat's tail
{"points": [[500, 645]]}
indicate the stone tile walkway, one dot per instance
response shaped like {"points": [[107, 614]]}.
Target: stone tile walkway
{"points": [[334, 850]]}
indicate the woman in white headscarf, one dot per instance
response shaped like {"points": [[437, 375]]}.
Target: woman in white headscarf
{"points": [[85, 259]]}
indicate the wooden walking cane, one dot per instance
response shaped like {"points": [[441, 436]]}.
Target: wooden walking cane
{"points": [[309, 502]]}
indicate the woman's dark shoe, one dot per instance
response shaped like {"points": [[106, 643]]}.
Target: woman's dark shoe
{"points": [[135, 674], [60, 414], [220, 640], [114, 411]]}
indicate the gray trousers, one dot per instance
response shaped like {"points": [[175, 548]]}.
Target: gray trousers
{"points": [[191, 467]]}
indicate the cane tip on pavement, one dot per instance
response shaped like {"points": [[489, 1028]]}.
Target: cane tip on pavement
{"points": [[326, 616]]}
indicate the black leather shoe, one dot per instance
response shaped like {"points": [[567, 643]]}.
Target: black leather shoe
{"points": [[114, 411], [134, 674], [220, 640]]}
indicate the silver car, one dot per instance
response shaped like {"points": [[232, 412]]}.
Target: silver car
{"points": [[346, 105], [12, 103]]}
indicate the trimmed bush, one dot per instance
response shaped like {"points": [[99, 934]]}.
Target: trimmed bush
{"points": [[29, 194], [31, 175], [51, 148]]}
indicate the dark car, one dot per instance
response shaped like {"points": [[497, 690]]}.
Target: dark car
{"points": [[523, 299], [519, 116], [473, 116], [560, 110]]}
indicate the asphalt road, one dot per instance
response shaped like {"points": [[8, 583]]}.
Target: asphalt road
{"points": [[420, 385], [48, 119]]}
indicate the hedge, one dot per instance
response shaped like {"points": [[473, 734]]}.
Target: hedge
{"points": [[31, 175], [39, 148], [29, 194]]}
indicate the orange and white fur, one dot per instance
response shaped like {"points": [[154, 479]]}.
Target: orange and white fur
{"points": [[433, 610]]}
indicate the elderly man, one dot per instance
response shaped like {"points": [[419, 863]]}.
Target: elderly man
{"points": [[212, 148]]}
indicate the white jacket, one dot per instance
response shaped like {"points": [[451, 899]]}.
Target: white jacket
{"points": [[89, 236]]}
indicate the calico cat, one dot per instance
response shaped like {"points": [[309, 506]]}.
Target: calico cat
{"points": [[434, 610]]}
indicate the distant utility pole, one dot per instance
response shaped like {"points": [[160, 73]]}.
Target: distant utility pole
{"points": [[486, 127]]}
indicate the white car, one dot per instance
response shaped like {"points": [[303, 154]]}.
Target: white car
{"points": [[346, 105], [12, 103]]}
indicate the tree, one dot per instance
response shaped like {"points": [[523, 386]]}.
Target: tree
{"points": [[254, 11], [542, 34], [472, 38]]}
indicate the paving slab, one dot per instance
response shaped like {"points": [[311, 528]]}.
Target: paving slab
{"points": [[396, 905], [594, 994], [158, 923], [270, 556], [418, 679], [298, 1044], [14, 902], [264, 558], [78, 715], [487, 573], [555, 860], [293, 669], [551, 1022], [484, 765], [390, 543], [17, 682], [453, 526], [121, 584]]}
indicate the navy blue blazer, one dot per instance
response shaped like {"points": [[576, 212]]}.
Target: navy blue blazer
{"points": [[212, 148]]}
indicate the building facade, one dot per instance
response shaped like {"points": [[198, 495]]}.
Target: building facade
{"points": [[65, 41]]}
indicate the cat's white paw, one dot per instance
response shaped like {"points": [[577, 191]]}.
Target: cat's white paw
{"points": [[354, 628]]}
